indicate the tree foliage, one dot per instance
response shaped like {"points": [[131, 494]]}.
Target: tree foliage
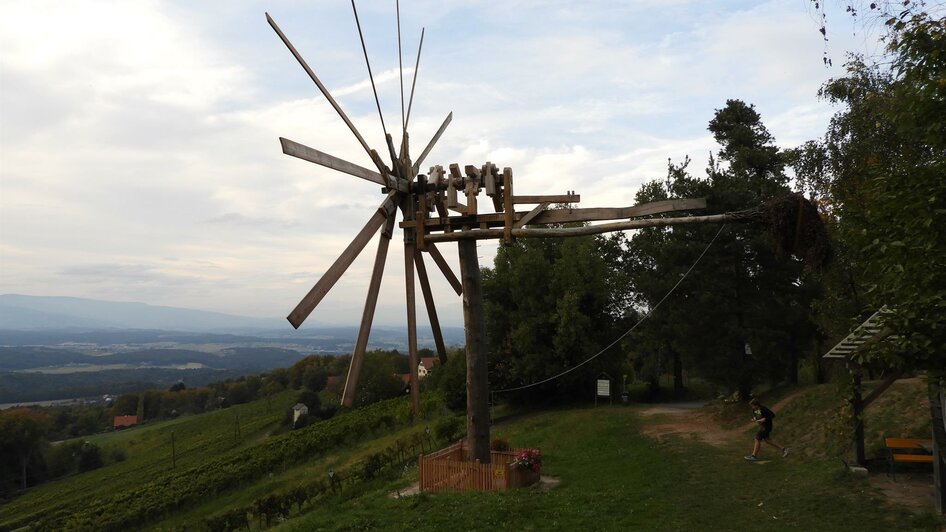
{"points": [[550, 304], [741, 292], [22, 433], [881, 166]]}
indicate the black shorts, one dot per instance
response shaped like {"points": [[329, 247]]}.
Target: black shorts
{"points": [[763, 433]]}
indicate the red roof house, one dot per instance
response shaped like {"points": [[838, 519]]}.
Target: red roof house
{"points": [[125, 421]]}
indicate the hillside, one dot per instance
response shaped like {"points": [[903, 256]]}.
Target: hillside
{"points": [[609, 465]]}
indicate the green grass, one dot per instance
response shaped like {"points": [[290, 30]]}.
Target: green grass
{"points": [[614, 478]]}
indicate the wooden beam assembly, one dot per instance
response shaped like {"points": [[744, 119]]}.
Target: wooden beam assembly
{"points": [[565, 215]]}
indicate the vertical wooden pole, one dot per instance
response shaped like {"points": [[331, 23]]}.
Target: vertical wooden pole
{"points": [[367, 317], [938, 410], [409, 250], [857, 406], [477, 386]]}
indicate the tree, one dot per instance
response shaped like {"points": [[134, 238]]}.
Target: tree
{"points": [[882, 161], [378, 380], [450, 380], [549, 305], [740, 318], [22, 432]]}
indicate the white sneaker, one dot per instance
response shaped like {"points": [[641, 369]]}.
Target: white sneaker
{"points": [[751, 457], [784, 451]]}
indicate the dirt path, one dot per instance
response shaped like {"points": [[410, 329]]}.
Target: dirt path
{"points": [[690, 420]]}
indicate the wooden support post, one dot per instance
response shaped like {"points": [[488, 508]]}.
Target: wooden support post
{"points": [[857, 406], [409, 251], [881, 389], [477, 385], [508, 208], [937, 396]]}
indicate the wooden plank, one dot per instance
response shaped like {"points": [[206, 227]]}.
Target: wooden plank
{"points": [[313, 155], [437, 178], [431, 308], [409, 251], [335, 271], [561, 198], [578, 215], [445, 268], [531, 214], [371, 301], [472, 188], [421, 214], [489, 178], [876, 392], [452, 183], [484, 234], [508, 208], [430, 145]]}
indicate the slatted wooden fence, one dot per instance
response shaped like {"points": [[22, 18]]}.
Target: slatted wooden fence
{"points": [[451, 469]]}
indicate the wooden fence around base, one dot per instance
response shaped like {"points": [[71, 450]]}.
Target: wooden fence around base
{"points": [[450, 469]]}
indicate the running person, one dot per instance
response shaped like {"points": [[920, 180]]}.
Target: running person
{"points": [[763, 416]]}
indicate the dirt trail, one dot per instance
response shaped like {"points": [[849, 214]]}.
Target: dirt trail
{"points": [[689, 420], [914, 491]]}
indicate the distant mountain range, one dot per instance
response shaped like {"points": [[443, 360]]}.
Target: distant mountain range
{"points": [[47, 320], [67, 347], [21, 312]]}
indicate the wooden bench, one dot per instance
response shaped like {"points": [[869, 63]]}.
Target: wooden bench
{"points": [[908, 450]]}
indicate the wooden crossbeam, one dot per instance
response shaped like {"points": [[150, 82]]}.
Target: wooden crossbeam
{"points": [[594, 214], [504, 233], [561, 198]]}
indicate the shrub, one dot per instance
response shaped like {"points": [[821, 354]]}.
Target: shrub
{"points": [[499, 444], [449, 428]]}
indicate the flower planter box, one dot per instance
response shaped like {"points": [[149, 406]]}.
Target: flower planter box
{"points": [[451, 469]]}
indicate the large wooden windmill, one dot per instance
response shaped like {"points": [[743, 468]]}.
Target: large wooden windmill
{"points": [[442, 205]]}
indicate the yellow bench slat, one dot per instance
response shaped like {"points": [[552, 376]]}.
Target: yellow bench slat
{"points": [[913, 458], [906, 443]]}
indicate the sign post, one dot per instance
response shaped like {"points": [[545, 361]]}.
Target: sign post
{"points": [[603, 388]]}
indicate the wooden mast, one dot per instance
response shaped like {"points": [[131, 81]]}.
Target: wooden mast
{"points": [[477, 387]]}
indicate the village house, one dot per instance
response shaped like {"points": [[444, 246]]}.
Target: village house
{"points": [[121, 422], [425, 366]]}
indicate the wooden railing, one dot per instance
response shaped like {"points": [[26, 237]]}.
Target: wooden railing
{"points": [[451, 469]]}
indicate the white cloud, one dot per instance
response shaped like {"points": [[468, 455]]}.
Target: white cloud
{"points": [[139, 154]]}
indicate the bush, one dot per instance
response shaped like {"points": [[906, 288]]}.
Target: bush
{"points": [[117, 455], [450, 428]]}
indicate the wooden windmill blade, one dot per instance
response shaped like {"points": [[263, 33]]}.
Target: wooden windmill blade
{"points": [[371, 301], [431, 307], [301, 151], [318, 83], [335, 271], [445, 268], [433, 141]]}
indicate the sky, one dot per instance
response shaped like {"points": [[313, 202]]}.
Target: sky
{"points": [[139, 151]]}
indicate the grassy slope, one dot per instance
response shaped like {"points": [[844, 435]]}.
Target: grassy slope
{"points": [[612, 477], [148, 451]]}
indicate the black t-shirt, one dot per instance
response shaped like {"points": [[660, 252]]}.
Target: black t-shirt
{"points": [[768, 415]]}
